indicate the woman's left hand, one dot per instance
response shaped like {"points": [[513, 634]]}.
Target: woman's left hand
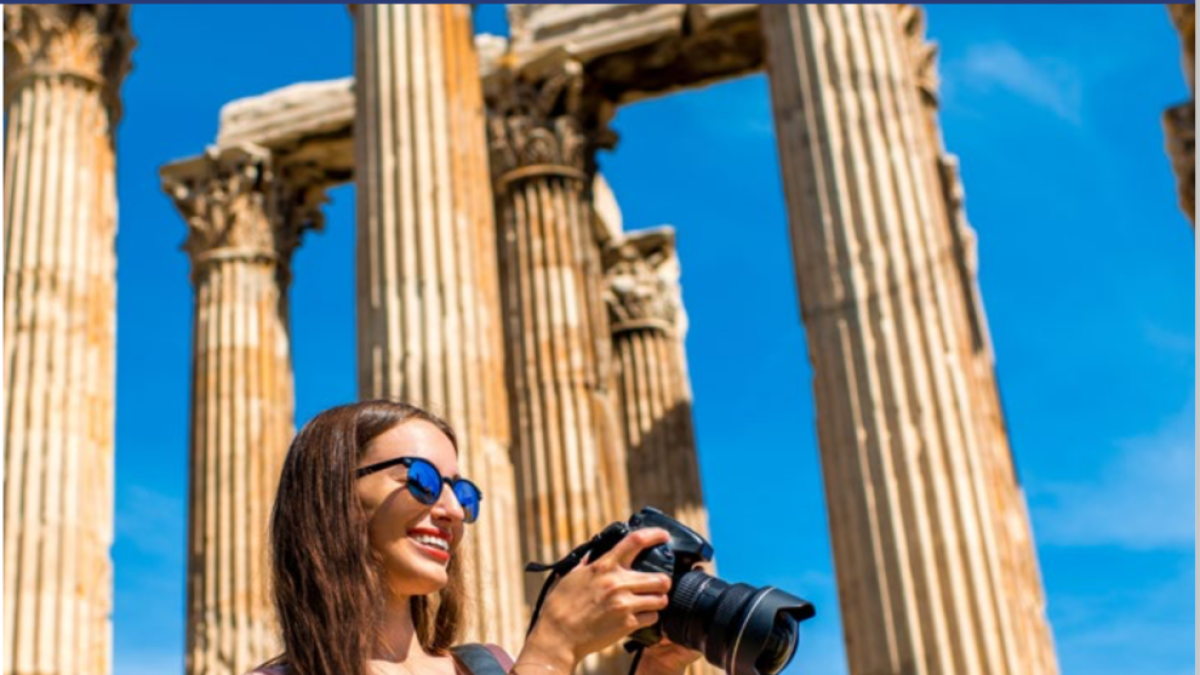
{"points": [[666, 658]]}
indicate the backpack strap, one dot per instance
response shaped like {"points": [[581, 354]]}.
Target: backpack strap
{"points": [[478, 659]]}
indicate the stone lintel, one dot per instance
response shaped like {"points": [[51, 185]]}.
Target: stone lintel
{"points": [[284, 117], [628, 52], [632, 52], [310, 123]]}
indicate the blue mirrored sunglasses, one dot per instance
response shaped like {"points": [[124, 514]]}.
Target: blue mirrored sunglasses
{"points": [[424, 482]]}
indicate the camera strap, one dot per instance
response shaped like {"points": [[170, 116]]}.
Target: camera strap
{"points": [[557, 570]]}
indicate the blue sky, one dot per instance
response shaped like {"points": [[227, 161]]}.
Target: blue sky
{"points": [[1086, 264]]}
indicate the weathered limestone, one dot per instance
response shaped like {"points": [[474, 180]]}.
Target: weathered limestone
{"points": [[244, 219], [1180, 120], [429, 306], [635, 51], [1028, 643], [283, 118], [64, 66], [654, 396], [567, 450], [907, 474]]}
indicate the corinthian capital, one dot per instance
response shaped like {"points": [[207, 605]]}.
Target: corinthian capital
{"points": [[222, 196], [641, 282], [91, 43], [297, 196], [237, 204], [543, 120]]}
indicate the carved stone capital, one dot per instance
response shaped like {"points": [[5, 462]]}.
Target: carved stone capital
{"points": [[542, 121], [88, 43], [298, 195], [641, 283], [237, 205], [1180, 123]]}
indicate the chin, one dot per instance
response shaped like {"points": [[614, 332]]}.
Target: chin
{"points": [[418, 579], [410, 589]]}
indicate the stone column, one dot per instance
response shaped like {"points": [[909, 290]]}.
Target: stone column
{"points": [[653, 393], [911, 514], [429, 305], [570, 462], [654, 397], [244, 221], [1180, 120], [1029, 645], [64, 65]]}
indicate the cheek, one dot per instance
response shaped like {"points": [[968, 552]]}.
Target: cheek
{"points": [[389, 518]]}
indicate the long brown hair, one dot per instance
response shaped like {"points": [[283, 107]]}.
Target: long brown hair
{"points": [[327, 581]]}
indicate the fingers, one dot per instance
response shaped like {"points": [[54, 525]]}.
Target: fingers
{"points": [[645, 619], [627, 549], [640, 582], [650, 602]]}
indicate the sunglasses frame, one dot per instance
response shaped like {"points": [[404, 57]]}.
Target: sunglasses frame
{"points": [[407, 462]]}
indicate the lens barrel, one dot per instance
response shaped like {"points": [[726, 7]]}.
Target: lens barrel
{"points": [[742, 629]]}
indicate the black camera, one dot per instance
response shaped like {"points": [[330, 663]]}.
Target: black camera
{"points": [[739, 628]]}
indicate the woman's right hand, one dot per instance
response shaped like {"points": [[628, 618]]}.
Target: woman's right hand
{"points": [[597, 603]]}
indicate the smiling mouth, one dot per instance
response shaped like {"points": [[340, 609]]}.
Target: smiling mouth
{"points": [[434, 547]]}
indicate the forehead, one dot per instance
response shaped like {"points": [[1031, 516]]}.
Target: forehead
{"points": [[416, 438]]}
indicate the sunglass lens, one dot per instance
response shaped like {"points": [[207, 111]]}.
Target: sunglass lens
{"points": [[424, 482], [469, 497]]}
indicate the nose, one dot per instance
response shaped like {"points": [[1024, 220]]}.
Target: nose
{"points": [[448, 508]]}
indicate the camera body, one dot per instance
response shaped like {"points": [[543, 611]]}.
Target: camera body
{"points": [[680, 555], [739, 628]]}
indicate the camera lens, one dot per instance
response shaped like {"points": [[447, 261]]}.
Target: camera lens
{"points": [[780, 645], [741, 629]]}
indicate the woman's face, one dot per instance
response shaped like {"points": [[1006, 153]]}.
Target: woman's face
{"points": [[396, 521]]}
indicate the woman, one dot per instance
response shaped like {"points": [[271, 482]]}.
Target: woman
{"points": [[367, 522]]}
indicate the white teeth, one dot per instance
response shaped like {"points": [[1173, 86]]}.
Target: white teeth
{"points": [[435, 542]]}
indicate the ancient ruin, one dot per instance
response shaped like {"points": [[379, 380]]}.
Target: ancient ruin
{"points": [[497, 287], [63, 69]]}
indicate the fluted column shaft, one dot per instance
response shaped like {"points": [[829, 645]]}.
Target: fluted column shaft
{"points": [[912, 525], [243, 227], [429, 307], [654, 399], [1022, 617], [63, 69], [570, 462], [653, 394]]}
